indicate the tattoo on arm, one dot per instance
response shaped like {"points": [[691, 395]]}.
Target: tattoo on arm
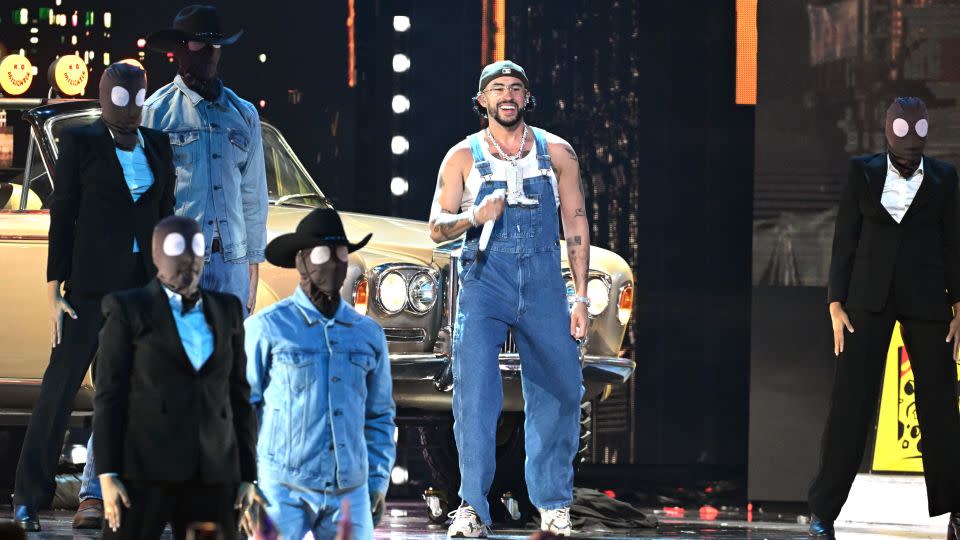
{"points": [[444, 229], [579, 213], [570, 151], [575, 241]]}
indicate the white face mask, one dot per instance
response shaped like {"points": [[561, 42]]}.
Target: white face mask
{"points": [[120, 96], [320, 254], [198, 244], [174, 244]]}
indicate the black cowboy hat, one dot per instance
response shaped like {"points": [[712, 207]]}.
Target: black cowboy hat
{"points": [[322, 226], [192, 23]]}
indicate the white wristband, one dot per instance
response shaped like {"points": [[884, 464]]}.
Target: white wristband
{"points": [[472, 216]]}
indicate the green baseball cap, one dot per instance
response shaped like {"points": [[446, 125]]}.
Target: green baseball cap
{"points": [[503, 68]]}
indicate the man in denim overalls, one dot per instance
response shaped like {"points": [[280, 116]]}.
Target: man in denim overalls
{"points": [[510, 179]]}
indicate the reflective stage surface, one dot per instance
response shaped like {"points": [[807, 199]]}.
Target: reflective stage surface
{"points": [[405, 520]]}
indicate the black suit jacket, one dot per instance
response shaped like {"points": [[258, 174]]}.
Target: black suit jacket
{"points": [[157, 419], [917, 259], [93, 218]]}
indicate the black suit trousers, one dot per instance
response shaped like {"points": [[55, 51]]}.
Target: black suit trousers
{"points": [[856, 388], [153, 505], [37, 468]]}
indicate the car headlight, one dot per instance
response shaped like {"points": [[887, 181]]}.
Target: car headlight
{"points": [[422, 292], [599, 294], [392, 293]]}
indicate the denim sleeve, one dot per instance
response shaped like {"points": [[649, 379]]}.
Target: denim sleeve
{"points": [[257, 349], [379, 427], [148, 117], [253, 193]]}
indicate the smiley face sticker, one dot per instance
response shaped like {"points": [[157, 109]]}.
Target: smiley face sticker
{"points": [[69, 75], [16, 74]]}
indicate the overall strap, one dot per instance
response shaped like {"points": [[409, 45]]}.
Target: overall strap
{"points": [[480, 162], [543, 155]]}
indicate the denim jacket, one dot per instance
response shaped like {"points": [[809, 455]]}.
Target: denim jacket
{"points": [[216, 146], [323, 395]]}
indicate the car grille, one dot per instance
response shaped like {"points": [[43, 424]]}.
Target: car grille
{"points": [[405, 335], [450, 309]]}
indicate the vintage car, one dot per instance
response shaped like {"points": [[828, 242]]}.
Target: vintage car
{"points": [[401, 279]]}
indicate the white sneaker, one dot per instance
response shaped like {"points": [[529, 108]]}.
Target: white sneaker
{"points": [[466, 524], [556, 521]]}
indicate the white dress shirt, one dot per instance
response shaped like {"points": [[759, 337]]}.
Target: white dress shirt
{"points": [[898, 192]]}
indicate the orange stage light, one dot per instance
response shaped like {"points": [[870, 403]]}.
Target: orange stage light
{"points": [[746, 93]]}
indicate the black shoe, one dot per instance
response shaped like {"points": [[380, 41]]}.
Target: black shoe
{"points": [[26, 518], [953, 526], [820, 528]]}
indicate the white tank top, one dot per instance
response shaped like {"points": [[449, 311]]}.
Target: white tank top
{"points": [[528, 169]]}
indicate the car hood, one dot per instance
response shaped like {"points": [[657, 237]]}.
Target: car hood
{"points": [[397, 240], [394, 239]]}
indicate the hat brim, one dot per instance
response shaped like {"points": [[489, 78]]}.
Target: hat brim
{"points": [[282, 250], [166, 40]]}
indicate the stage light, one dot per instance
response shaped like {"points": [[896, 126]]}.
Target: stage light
{"points": [[73, 40], [263, 58], [399, 186], [34, 40], [399, 476], [399, 144], [24, 16], [107, 19], [263, 103], [401, 62], [106, 59], [401, 23], [141, 43], [78, 454], [34, 30], [400, 104]]}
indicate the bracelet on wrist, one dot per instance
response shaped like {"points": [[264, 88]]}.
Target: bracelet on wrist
{"points": [[472, 216], [581, 299]]}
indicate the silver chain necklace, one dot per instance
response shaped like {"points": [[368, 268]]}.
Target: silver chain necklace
{"points": [[503, 155], [515, 194]]}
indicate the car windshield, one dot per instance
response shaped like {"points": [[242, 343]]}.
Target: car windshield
{"points": [[288, 182]]}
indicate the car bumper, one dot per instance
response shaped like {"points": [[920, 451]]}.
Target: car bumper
{"points": [[418, 379]]}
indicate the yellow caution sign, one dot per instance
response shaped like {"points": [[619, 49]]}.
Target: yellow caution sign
{"points": [[899, 441]]}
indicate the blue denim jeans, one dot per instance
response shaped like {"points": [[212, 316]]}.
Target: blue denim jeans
{"points": [[517, 284], [90, 483], [227, 277], [296, 510]]}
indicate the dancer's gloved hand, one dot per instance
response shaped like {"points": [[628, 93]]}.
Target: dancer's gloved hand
{"points": [[840, 321], [114, 494], [378, 505], [248, 494], [58, 306]]}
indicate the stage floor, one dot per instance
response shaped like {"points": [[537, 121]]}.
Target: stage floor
{"points": [[405, 521]]}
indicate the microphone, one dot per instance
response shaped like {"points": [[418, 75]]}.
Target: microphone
{"points": [[488, 226]]}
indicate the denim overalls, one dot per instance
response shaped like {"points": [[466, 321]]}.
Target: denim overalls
{"points": [[516, 284]]}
